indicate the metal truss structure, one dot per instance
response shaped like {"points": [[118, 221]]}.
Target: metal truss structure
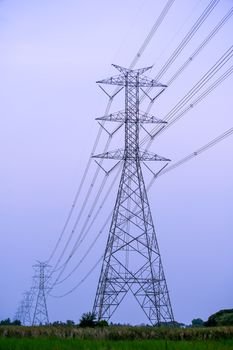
{"points": [[40, 316], [132, 261]]}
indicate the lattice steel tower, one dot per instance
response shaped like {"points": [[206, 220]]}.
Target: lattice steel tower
{"points": [[26, 320], [40, 316], [132, 260]]}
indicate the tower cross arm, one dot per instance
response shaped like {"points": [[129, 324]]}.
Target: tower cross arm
{"points": [[146, 82], [121, 117], [121, 80], [126, 71], [115, 80], [142, 155]]}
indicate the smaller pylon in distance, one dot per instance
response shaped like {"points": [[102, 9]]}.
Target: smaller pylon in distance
{"points": [[41, 278]]}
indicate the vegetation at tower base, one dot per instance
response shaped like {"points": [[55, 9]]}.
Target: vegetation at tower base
{"points": [[118, 333], [88, 319], [220, 318], [88, 329]]}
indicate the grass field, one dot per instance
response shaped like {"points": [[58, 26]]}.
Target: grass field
{"points": [[77, 344], [118, 333], [115, 338]]}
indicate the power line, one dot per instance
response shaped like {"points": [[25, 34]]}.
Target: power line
{"points": [[81, 281], [79, 217], [88, 230], [205, 93], [201, 19], [203, 81], [194, 154], [83, 234], [84, 204], [172, 39], [195, 53], [187, 38], [153, 30], [173, 115], [86, 253], [210, 36]]}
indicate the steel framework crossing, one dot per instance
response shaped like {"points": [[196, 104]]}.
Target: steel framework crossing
{"points": [[132, 260]]}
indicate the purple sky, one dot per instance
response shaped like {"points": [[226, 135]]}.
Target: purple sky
{"points": [[52, 52]]}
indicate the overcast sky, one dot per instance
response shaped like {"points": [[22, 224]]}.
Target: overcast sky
{"points": [[52, 53]]}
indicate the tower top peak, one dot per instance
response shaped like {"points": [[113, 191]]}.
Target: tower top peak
{"points": [[125, 71]]}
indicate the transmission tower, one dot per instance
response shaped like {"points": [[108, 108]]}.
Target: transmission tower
{"points": [[28, 299], [19, 315], [40, 316], [132, 260]]}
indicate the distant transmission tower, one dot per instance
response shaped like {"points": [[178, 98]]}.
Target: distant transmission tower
{"points": [[28, 298], [40, 316], [19, 315], [132, 260]]}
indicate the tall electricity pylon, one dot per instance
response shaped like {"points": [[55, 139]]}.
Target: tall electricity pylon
{"points": [[132, 260], [40, 316]]}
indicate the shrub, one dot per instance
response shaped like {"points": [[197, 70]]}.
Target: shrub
{"points": [[197, 322], [102, 323], [220, 318], [88, 319]]}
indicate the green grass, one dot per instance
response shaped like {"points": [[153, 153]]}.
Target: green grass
{"points": [[118, 333], [77, 344]]}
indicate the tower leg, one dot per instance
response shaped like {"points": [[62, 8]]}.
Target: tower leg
{"points": [[141, 272]]}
